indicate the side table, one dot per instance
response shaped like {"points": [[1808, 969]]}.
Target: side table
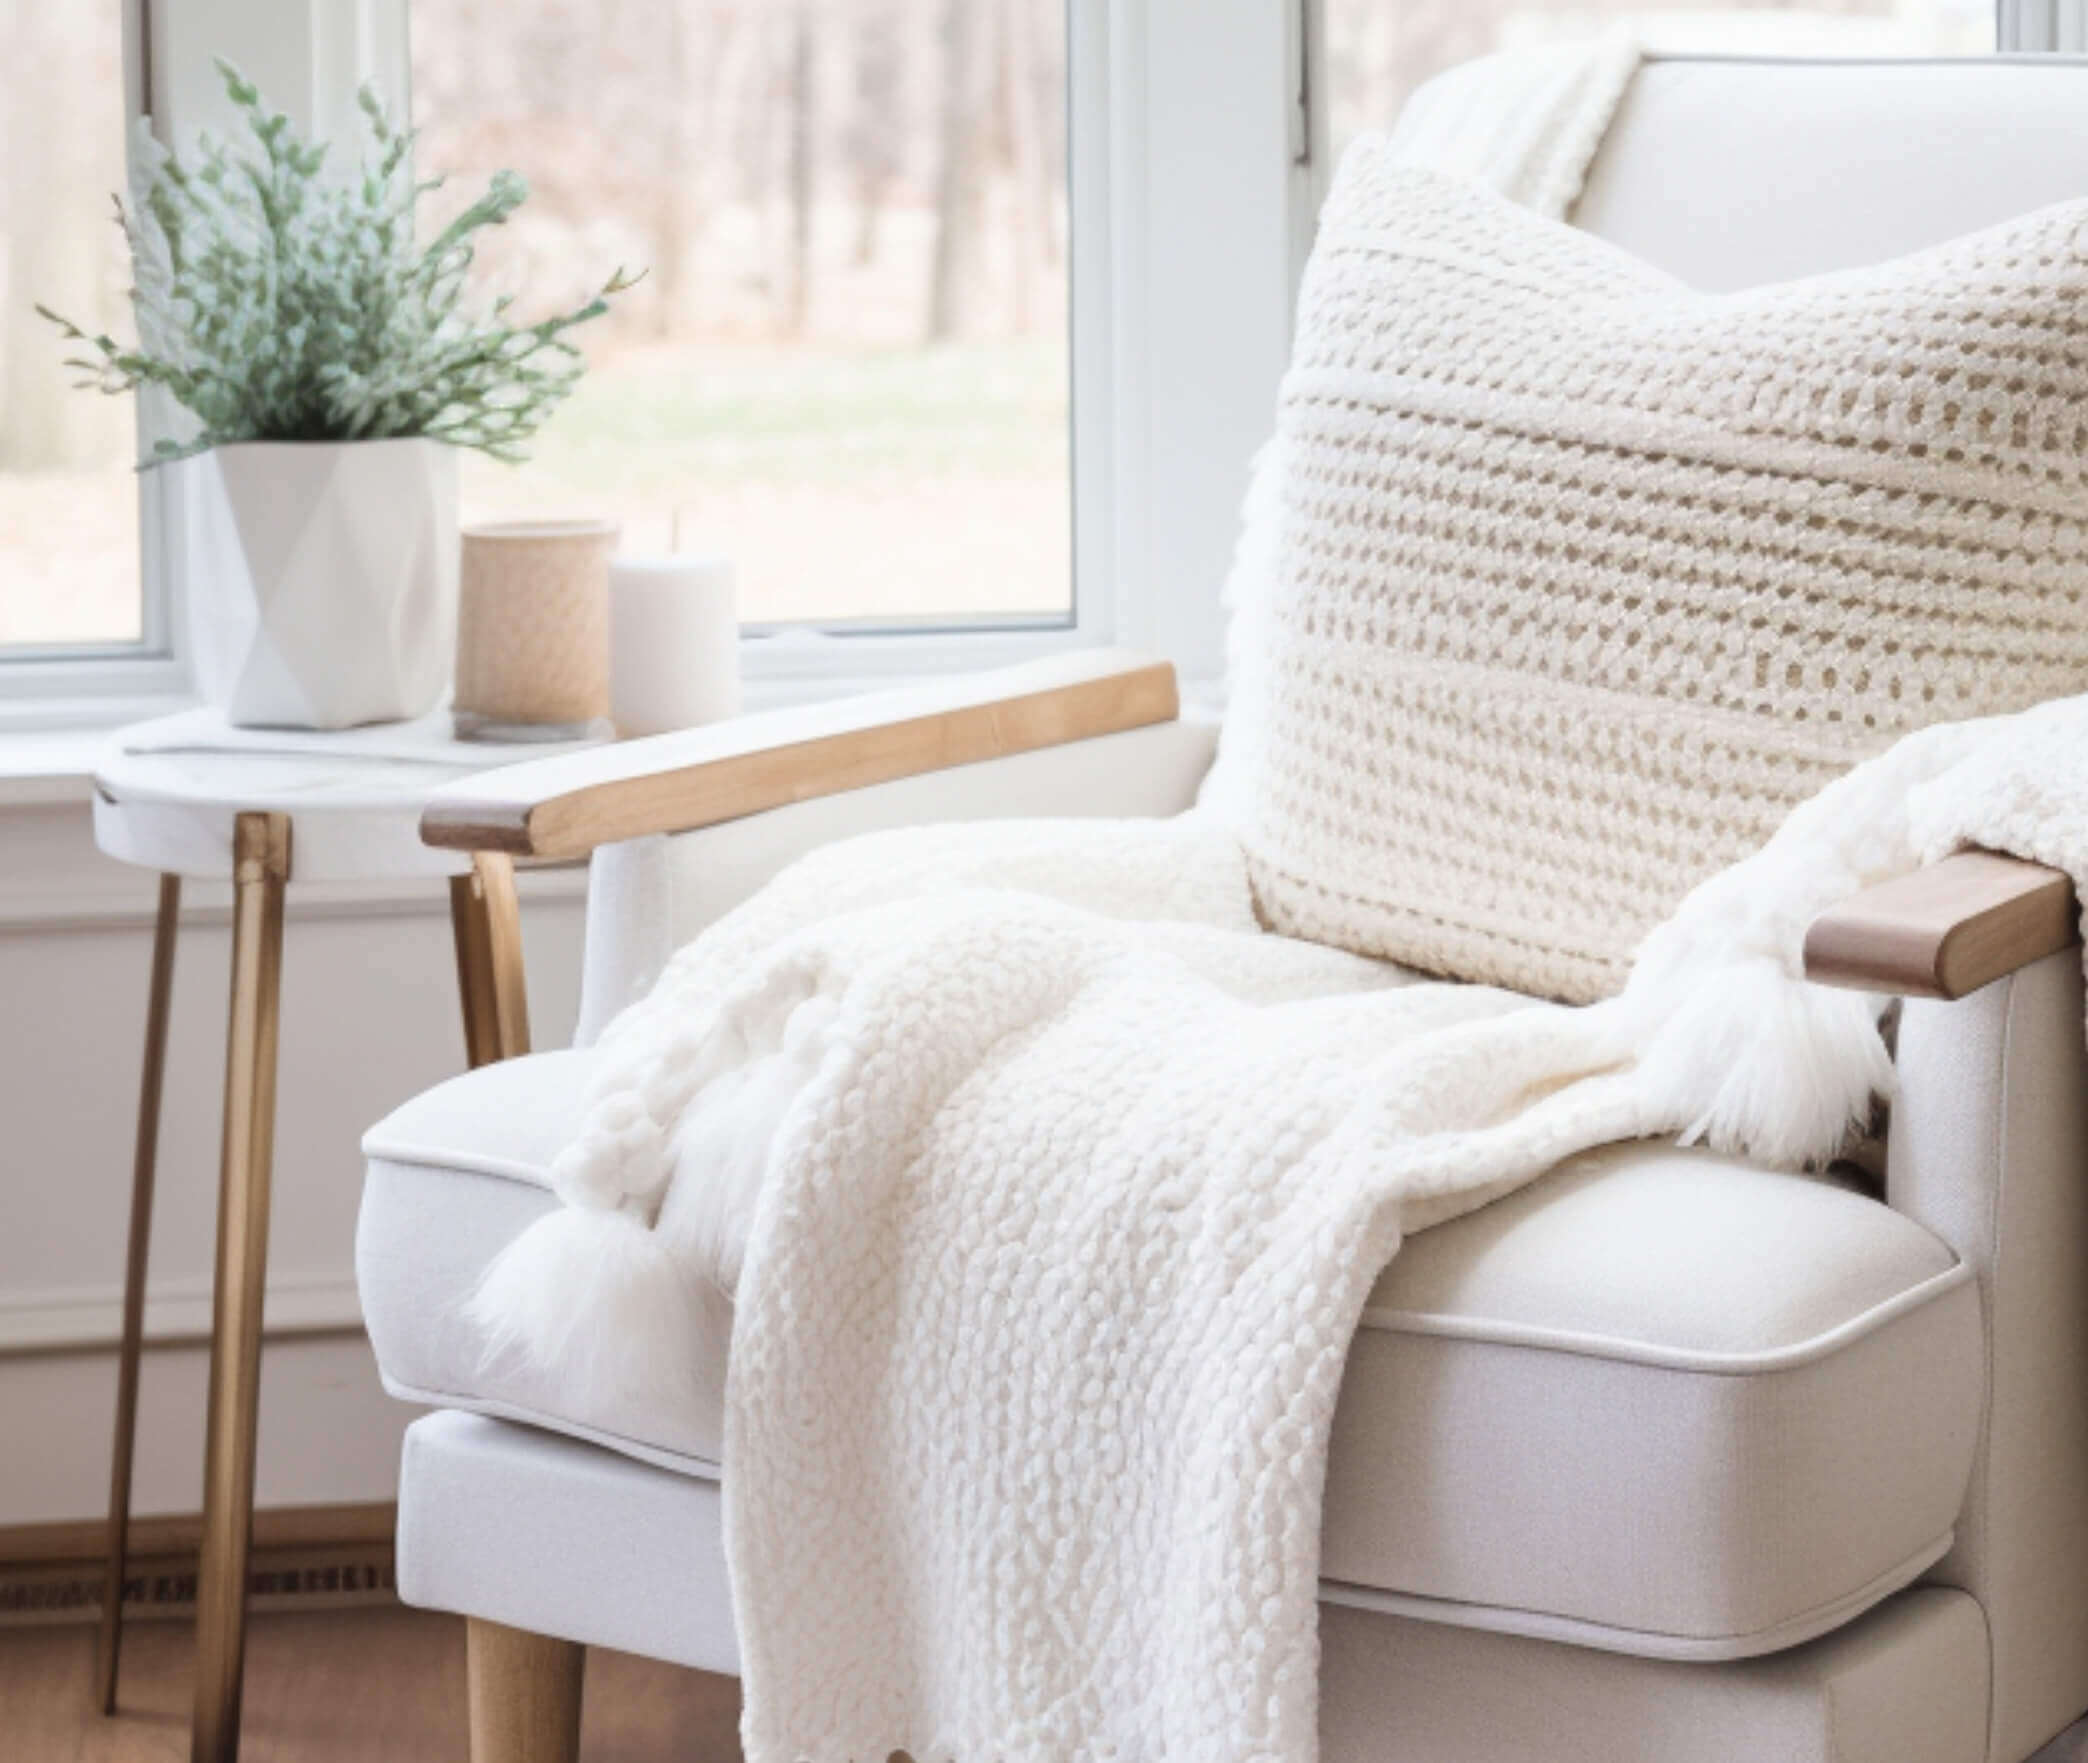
{"points": [[190, 796]]}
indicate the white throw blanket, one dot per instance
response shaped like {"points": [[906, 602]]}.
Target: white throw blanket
{"points": [[1050, 1188]]}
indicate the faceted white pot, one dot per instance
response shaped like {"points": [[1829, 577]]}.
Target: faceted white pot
{"points": [[320, 578]]}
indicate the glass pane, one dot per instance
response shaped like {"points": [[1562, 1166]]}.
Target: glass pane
{"points": [[847, 365], [1378, 52], [68, 494]]}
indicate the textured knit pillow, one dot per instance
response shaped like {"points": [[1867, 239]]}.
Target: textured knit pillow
{"points": [[1563, 582]]}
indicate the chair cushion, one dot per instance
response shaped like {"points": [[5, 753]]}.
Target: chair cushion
{"points": [[1659, 1402]]}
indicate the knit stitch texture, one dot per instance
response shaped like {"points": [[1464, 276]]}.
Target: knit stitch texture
{"points": [[1570, 581]]}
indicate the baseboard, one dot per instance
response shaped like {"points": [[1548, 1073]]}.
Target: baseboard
{"points": [[305, 1557], [275, 1527], [177, 1311]]}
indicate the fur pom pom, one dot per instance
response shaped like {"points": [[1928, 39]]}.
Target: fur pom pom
{"points": [[593, 1297], [730, 1132], [620, 1154], [1757, 1061]]}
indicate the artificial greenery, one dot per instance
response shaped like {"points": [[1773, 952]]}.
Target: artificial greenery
{"points": [[275, 304]]}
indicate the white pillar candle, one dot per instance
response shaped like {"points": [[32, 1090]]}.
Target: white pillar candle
{"points": [[673, 643]]}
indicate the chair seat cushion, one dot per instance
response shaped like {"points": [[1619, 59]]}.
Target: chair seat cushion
{"points": [[1659, 1402]]}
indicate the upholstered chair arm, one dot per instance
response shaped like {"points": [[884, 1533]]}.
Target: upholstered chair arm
{"points": [[1946, 930], [1988, 1149], [567, 806]]}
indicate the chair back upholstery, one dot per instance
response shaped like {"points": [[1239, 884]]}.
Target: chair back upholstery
{"points": [[1732, 172]]}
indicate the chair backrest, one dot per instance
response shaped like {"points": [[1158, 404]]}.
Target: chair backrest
{"points": [[1731, 172]]}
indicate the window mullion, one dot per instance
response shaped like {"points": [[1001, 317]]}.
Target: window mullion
{"points": [[2042, 26]]}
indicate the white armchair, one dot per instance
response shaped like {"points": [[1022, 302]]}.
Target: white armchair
{"points": [[1788, 1468]]}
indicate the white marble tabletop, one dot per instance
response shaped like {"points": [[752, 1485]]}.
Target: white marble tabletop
{"points": [[166, 793]]}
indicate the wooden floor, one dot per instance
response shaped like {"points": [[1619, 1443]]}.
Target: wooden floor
{"points": [[382, 1685]]}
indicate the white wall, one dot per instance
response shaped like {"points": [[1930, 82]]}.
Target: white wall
{"points": [[369, 1018]]}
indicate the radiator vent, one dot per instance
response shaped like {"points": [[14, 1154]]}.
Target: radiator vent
{"points": [[40, 1594]]}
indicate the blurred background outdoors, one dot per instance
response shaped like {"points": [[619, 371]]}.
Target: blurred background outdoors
{"points": [[847, 365]]}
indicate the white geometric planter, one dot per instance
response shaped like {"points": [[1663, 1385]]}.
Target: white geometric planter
{"points": [[320, 578]]}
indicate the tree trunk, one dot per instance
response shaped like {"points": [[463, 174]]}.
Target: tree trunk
{"points": [[955, 283], [804, 167], [686, 55], [876, 124], [1046, 102], [1018, 98]]}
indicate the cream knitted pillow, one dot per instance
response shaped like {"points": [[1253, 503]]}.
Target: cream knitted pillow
{"points": [[1562, 582]]}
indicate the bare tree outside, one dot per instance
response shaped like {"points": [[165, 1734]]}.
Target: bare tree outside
{"points": [[848, 364]]}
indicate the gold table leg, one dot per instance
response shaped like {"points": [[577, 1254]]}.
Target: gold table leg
{"points": [[164, 929], [487, 921], [261, 866]]}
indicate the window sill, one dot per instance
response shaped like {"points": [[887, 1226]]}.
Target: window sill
{"points": [[41, 767], [48, 745]]}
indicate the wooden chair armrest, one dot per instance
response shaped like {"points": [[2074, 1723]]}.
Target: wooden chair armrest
{"points": [[1945, 930], [566, 806]]}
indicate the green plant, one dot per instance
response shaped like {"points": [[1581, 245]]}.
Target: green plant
{"points": [[275, 304]]}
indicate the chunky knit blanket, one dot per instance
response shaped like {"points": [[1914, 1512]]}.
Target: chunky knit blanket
{"points": [[1050, 1189]]}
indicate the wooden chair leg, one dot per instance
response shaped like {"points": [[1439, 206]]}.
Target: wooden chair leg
{"points": [[487, 920], [261, 867], [165, 928], [524, 1694]]}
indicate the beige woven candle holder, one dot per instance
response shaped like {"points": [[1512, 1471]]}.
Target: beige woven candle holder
{"points": [[533, 630]]}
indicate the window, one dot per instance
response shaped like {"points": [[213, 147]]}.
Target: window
{"points": [[788, 385], [69, 578], [1378, 53], [847, 366]]}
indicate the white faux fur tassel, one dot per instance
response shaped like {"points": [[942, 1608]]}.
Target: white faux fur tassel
{"points": [[1732, 1038], [599, 1297], [660, 1186], [1760, 1063]]}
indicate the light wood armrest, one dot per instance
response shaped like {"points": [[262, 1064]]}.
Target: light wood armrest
{"points": [[1945, 930], [565, 807]]}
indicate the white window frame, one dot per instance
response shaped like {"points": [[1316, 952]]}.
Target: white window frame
{"points": [[1212, 162], [2041, 27]]}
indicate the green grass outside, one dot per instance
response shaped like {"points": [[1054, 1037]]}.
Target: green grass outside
{"points": [[669, 421]]}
